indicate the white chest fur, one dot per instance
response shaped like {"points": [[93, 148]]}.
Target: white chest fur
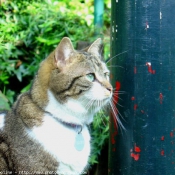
{"points": [[59, 140]]}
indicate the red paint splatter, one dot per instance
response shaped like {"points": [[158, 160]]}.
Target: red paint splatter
{"points": [[163, 138], [135, 106], [135, 156], [161, 98], [150, 70], [115, 132], [137, 149], [113, 137], [112, 140], [115, 101], [162, 153], [132, 98], [171, 134], [135, 70], [117, 85], [116, 97]]}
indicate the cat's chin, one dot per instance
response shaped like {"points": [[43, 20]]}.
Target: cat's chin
{"points": [[96, 102], [72, 111], [96, 106]]}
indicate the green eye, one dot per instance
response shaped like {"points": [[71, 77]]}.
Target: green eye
{"points": [[107, 75], [90, 77]]}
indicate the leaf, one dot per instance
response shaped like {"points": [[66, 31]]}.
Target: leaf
{"points": [[3, 102], [26, 88], [19, 75]]}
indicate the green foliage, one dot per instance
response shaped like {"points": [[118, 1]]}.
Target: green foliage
{"points": [[100, 135], [30, 30], [3, 102]]}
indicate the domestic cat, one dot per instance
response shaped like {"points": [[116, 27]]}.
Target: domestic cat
{"points": [[46, 131]]}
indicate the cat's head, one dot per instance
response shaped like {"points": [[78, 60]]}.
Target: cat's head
{"points": [[80, 75]]}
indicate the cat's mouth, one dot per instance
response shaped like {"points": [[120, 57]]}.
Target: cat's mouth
{"points": [[95, 104], [108, 93]]}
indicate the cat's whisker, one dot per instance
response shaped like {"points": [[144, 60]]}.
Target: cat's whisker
{"points": [[93, 105], [117, 114], [109, 59], [101, 113], [102, 119], [89, 104], [118, 111], [116, 100], [120, 105], [117, 92], [117, 103], [99, 105], [98, 119], [114, 90], [116, 95], [115, 66]]}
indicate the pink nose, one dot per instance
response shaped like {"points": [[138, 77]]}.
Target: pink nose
{"points": [[109, 89]]}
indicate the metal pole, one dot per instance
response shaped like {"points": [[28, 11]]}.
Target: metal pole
{"points": [[145, 29], [98, 15]]}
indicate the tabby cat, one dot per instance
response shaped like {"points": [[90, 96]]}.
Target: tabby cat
{"points": [[46, 131]]}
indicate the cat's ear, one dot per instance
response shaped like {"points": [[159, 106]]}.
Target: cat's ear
{"points": [[63, 52], [96, 47]]}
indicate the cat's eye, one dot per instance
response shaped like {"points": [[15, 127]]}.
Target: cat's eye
{"points": [[106, 75], [90, 77]]}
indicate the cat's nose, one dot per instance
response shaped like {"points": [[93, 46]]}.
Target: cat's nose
{"points": [[109, 89]]}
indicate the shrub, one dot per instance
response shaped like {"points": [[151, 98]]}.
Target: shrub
{"points": [[29, 31]]}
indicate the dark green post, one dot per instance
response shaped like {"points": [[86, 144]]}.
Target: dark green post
{"points": [[144, 31]]}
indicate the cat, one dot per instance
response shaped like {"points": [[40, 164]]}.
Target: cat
{"points": [[46, 131]]}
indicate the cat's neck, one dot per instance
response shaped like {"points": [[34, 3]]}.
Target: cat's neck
{"points": [[41, 82], [71, 111]]}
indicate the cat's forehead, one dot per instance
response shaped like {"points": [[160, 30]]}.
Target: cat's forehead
{"points": [[95, 62]]}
